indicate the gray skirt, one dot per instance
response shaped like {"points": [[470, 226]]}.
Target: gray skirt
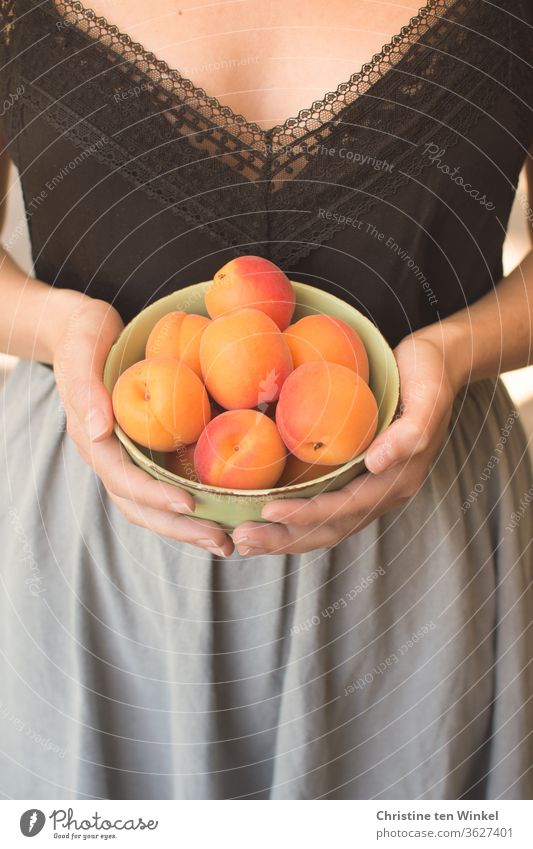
{"points": [[396, 665]]}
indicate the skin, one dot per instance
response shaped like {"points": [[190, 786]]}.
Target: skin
{"points": [[290, 53], [38, 322]]}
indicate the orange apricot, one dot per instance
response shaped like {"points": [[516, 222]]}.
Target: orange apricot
{"points": [[251, 281], [245, 359], [326, 413], [322, 337], [161, 403], [296, 471], [178, 335], [240, 449], [181, 462]]}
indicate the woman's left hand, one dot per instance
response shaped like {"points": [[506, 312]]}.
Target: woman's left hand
{"points": [[397, 462]]}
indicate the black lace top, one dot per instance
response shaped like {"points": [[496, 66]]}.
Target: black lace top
{"points": [[393, 191]]}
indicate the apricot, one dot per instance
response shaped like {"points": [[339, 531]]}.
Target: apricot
{"points": [[178, 335], [251, 281], [240, 449], [181, 462], [296, 471], [326, 413], [322, 337], [245, 359], [161, 403]]}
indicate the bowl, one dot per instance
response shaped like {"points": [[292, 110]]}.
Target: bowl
{"points": [[230, 507]]}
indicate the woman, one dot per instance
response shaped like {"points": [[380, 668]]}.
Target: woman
{"points": [[373, 642]]}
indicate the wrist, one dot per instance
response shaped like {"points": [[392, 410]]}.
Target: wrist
{"points": [[57, 308], [454, 341]]}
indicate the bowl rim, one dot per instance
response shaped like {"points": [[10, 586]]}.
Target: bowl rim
{"points": [[251, 494]]}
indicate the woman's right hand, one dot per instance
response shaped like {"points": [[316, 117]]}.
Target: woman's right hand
{"points": [[82, 340]]}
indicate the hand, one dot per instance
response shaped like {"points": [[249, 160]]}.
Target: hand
{"points": [[80, 349], [397, 462]]}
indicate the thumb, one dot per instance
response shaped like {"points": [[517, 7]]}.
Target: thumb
{"points": [[83, 389], [98, 413], [426, 396], [408, 435]]}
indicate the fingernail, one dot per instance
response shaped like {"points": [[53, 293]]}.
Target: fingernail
{"points": [[95, 423], [245, 550], [218, 552], [274, 517], [238, 540], [180, 507], [271, 515], [379, 459], [206, 543]]}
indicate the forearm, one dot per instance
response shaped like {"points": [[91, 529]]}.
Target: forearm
{"points": [[32, 312], [492, 335]]}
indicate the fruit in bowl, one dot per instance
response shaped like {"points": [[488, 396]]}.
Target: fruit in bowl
{"points": [[326, 413], [267, 408], [178, 334], [240, 449], [181, 462], [296, 471], [244, 358], [251, 281], [161, 403], [323, 338]]}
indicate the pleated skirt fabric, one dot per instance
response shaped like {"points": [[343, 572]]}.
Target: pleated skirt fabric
{"points": [[396, 665]]}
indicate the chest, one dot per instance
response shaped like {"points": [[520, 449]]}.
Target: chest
{"points": [[264, 60]]}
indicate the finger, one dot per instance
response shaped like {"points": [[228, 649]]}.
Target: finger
{"points": [[311, 511], [79, 368], [122, 478], [255, 538], [411, 433], [198, 532], [366, 496]]}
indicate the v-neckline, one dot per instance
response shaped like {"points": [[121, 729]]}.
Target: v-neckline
{"points": [[63, 7]]}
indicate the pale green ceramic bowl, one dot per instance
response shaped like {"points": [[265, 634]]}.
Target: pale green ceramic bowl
{"points": [[231, 507]]}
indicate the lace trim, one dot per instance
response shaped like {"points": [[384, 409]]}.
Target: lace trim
{"points": [[291, 251], [172, 147], [88, 137], [308, 119]]}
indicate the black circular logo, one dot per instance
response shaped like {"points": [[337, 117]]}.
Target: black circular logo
{"points": [[32, 822]]}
